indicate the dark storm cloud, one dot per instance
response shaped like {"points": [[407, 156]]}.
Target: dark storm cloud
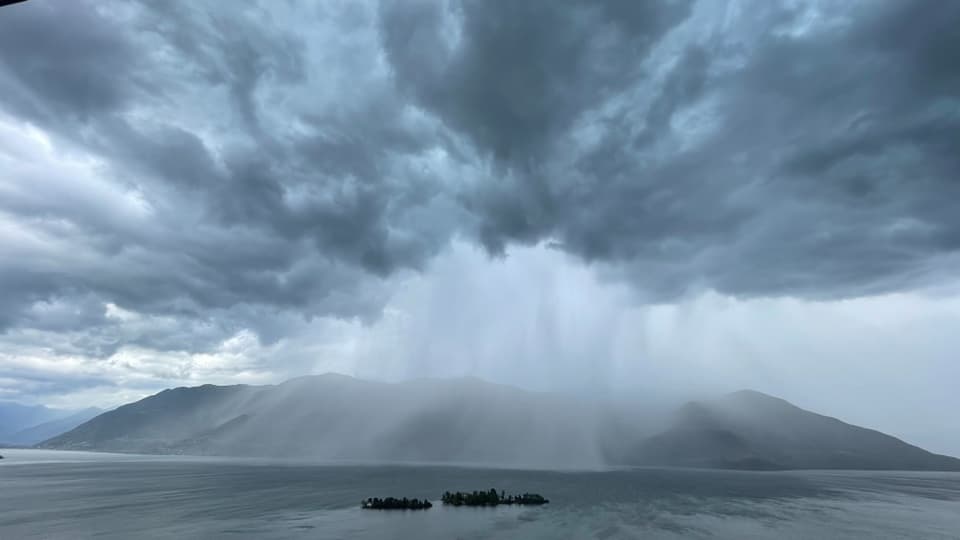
{"points": [[265, 162], [521, 72], [516, 76], [818, 161], [242, 224], [73, 70]]}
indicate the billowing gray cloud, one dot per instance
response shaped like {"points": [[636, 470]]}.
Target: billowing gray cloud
{"points": [[225, 206], [517, 75], [805, 151], [204, 169]]}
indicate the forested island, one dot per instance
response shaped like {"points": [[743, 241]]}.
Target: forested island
{"points": [[391, 503], [491, 498], [458, 498]]}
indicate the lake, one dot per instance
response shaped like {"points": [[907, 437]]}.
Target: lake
{"points": [[52, 495]]}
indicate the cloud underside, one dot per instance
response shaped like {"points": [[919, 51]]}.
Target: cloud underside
{"points": [[178, 173]]}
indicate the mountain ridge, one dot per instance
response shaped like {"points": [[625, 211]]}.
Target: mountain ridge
{"points": [[749, 429], [332, 416], [25, 425]]}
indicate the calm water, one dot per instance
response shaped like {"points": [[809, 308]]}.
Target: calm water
{"points": [[77, 495]]}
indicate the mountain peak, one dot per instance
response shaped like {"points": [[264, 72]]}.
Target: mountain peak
{"points": [[328, 377], [750, 393], [754, 398]]}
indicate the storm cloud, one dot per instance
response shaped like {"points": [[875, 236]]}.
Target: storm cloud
{"points": [[188, 178]]}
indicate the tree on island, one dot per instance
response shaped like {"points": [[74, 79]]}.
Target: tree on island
{"points": [[391, 503], [490, 498]]}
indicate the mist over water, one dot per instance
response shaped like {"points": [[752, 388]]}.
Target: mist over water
{"points": [[61, 495]]}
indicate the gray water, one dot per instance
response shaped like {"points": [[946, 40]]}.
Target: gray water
{"points": [[50, 495]]}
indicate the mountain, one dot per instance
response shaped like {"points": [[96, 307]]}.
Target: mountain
{"points": [[472, 421], [15, 416], [51, 428], [751, 430], [338, 417], [29, 424]]}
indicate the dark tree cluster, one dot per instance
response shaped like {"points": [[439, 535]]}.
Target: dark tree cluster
{"points": [[391, 503], [490, 498]]}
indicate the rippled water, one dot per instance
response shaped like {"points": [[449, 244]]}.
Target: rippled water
{"points": [[47, 494]]}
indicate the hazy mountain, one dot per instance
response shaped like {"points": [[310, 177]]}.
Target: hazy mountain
{"points": [[29, 424], [51, 428], [468, 420], [338, 417], [15, 416], [748, 429]]}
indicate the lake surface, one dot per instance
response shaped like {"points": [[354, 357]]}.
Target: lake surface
{"points": [[51, 495]]}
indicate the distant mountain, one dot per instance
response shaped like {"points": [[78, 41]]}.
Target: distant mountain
{"points": [[751, 430], [468, 420], [51, 428], [16, 416], [29, 424]]}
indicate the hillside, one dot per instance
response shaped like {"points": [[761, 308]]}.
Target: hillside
{"points": [[338, 417], [748, 429], [334, 417]]}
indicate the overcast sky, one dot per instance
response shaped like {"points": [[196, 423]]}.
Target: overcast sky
{"points": [[612, 198]]}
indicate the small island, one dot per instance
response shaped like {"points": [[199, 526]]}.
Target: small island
{"points": [[391, 503], [491, 498]]}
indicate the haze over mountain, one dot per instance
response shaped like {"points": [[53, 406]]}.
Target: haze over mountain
{"points": [[16, 416], [334, 417], [749, 429], [29, 424], [338, 417]]}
